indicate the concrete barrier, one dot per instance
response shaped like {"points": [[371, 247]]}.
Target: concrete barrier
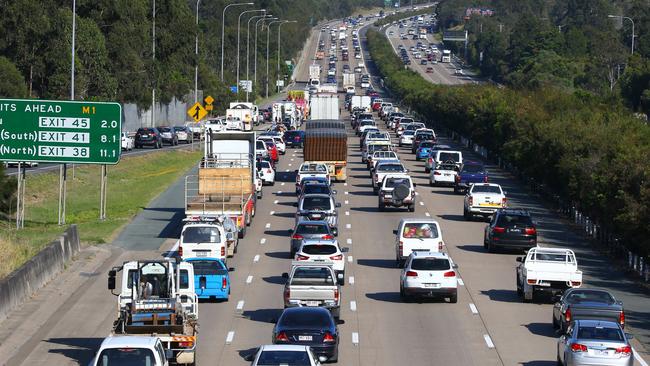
{"points": [[38, 271]]}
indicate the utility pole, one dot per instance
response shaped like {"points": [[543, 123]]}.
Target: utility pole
{"points": [[248, 31]]}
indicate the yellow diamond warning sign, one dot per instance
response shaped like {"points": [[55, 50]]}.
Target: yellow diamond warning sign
{"points": [[197, 112], [208, 100]]}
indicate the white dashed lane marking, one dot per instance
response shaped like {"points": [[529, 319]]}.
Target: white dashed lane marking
{"points": [[263, 240], [349, 241], [353, 305], [488, 341], [256, 258], [355, 338], [473, 308], [347, 213], [427, 214], [351, 281], [240, 305], [348, 226], [272, 213], [268, 225], [460, 282], [249, 279], [230, 337], [276, 202], [347, 202], [350, 259]]}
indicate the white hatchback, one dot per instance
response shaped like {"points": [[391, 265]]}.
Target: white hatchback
{"points": [[406, 139], [323, 251], [429, 274], [266, 172]]}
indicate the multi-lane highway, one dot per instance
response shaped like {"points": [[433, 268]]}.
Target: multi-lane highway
{"points": [[65, 322]]}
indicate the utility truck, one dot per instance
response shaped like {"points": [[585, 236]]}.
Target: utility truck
{"points": [[157, 299], [547, 270], [246, 112], [326, 143], [225, 183]]}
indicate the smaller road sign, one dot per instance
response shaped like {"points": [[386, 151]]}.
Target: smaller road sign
{"points": [[197, 112]]}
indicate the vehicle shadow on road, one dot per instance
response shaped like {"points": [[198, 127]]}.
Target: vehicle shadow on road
{"points": [[385, 296], [278, 255], [502, 295], [453, 217], [275, 280], [472, 248], [81, 350], [541, 329], [363, 193], [247, 353], [263, 315], [281, 233], [539, 363], [366, 209], [379, 263], [174, 225], [289, 215]]}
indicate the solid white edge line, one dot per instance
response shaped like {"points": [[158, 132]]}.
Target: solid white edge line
{"points": [[230, 337], [351, 281], [240, 305], [249, 279], [350, 259], [353, 305], [488, 341], [638, 358], [256, 258], [473, 308], [355, 338]]}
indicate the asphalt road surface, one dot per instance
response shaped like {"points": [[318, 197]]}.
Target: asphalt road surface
{"points": [[65, 322]]}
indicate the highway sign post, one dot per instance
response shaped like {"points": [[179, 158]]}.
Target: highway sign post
{"points": [[60, 131]]}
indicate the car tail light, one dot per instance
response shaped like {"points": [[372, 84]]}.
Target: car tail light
{"points": [[287, 294], [300, 257], [498, 229], [567, 315], [223, 251], [401, 246], [411, 274], [470, 201], [297, 237], [621, 318], [281, 337], [436, 173], [328, 338], [440, 245], [269, 171], [504, 202], [531, 281], [530, 231], [575, 283], [485, 179], [336, 257], [327, 236], [180, 251], [458, 179], [188, 344], [336, 295], [577, 347], [625, 350], [450, 274], [224, 282]]}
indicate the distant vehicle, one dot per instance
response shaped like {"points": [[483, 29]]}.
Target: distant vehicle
{"points": [[130, 350], [312, 284], [128, 143], [594, 342], [459, 72], [183, 133], [547, 270], [148, 136], [446, 56], [470, 172], [443, 173], [294, 138], [396, 190], [168, 135], [267, 172], [429, 274], [311, 326], [318, 207], [591, 304], [322, 250], [308, 230], [510, 229]]}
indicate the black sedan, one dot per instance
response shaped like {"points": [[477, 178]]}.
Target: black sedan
{"points": [[309, 326], [589, 304]]}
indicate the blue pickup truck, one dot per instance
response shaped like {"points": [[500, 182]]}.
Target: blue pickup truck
{"points": [[211, 278], [471, 172]]}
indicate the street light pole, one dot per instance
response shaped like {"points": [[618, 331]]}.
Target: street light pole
{"points": [[248, 31], [632, 21], [196, 54], [268, 32], [268, 17], [153, 64], [238, 33], [280, 27], [223, 28]]}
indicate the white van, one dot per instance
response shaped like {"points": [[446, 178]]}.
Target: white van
{"points": [[203, 239], [417, 234]]}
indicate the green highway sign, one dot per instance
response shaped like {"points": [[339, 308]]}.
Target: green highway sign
{"points": [[60, 131]]}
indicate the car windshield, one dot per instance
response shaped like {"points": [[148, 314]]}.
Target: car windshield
{"points": [[600, 333], [550, 256], [373, 148], [473, 168], [316, 203], [319, 249], [449, 156], [312, 229], [447, 167], [486, 189], [288, 358], [208, 268], [179, 128], [264, 165], [367, 123], [316, 188], [164, 129], [201, 234], [312, 276], [384, 155], [391, 168], [430, 264], [511, 220], [126, 357], [394, 182], [424, 136], [313, 168], [578, 296], [305, 319], [416, 230], [409, 133], [427, 144]]}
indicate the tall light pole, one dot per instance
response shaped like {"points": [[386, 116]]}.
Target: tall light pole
{"points": [[280, 27], [268, 32], [223, 28], [632, 21], [153, 64], [248, 31], [268, 17], [196, 54], [238, 33]]}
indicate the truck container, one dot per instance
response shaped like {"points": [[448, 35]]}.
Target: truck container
{"points": [[225, 184], [328, 88], [326, 143], [324, 106], [361, 101], [246, 112], [348, 79], [314, 71]]}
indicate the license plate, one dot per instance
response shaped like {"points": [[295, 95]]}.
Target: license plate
{"points": [[305, 338], [598, 352], [312, 303], [317, 216], [201, 254], [145, 135], [514, 230], [431, 285]]}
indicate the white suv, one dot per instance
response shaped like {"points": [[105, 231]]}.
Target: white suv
{"points": [[323, 251], [429, 274]]}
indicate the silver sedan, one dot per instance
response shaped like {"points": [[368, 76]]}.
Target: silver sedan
{"points": [[593, 342]]}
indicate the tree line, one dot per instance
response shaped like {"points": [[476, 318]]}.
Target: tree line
{"points": [[589, 150]]}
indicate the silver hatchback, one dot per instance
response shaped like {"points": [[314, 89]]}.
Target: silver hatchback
{"points": [[594, 342], [319, 207]]}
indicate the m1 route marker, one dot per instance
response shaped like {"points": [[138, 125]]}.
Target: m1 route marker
{"points": [[60, 131]]}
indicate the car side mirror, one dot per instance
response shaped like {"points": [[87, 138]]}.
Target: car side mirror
{"points": [[345, 250], [338, 204], [454, 266], [395, 232], [505, 193], [296, 171], [111, 279], [414, 185], [629, 336], [230, 236], [285, 275], [290, 232], [231, 269], [520, 259]]}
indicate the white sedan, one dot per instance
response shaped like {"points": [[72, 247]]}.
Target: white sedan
{"points": [[407, 138]]}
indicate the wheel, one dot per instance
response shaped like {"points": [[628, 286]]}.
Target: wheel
{"points": [[382, 207], [558, 361], [490, 247], [485, 242], [417, 158], [456, 190], [400, 144], [375, 190], [412, 208], [427, 170], [453, 298], [520, 292], [242, 233], [555, 324], [334, 358], [466, 214], [255, 207], [336, 313]]}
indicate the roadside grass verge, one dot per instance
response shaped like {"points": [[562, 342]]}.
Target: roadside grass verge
{"points": [[132, 184]]}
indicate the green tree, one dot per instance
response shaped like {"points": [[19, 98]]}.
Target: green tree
{"points": [[12, 84]]}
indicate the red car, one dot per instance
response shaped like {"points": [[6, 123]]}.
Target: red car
{"points": [[273, 150]]}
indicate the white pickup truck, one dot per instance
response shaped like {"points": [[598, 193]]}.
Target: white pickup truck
{"points": [[312, 284], [483, 199], [547, 270]]}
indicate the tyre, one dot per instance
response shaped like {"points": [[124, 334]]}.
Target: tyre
{"points": [[453, 298], [242, 233], [427, 170], [520, 292], [382, 207], [412, 208], [555, 324], [431, 183], [558, 361], [375, 190], [400, 144], [490, 247], [466, 214], [336, 313], [334, 358], [417, 158]]}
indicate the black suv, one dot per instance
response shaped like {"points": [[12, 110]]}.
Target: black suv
{"points": [[148, 136], [510, 229]]}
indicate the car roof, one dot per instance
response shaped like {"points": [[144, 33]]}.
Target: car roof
{"points": [[486, 185], [596, 323], [319, 241], [283, 347], [312, 222], [129, 342], [514, 211], [316, 195], [428, 254], [423, 220]]}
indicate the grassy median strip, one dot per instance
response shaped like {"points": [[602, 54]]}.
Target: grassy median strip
{"points": [[132, 184]]}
